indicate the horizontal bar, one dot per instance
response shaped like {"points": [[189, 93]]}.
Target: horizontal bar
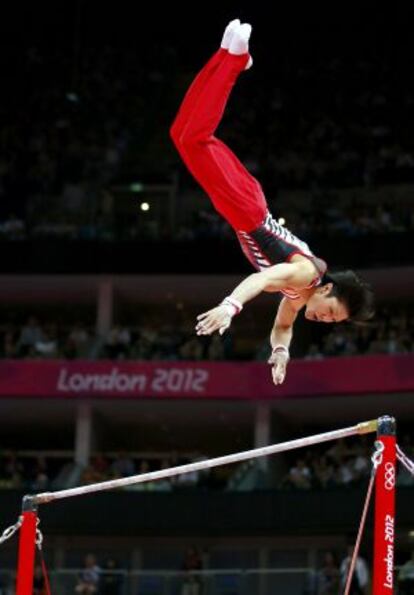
{"points": [[362, 428], [182, 573]]}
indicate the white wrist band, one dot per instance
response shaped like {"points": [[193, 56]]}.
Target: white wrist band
{"points": [[281, 347], [230, 301]]}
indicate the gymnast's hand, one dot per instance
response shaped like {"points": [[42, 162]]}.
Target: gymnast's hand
{"points": [[217, 319], [279, 361]]}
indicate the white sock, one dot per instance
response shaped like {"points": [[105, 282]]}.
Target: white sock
{"points": [[228, 33], [239, 43]]}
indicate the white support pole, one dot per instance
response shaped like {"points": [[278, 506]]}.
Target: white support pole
{"points": [[262, 430], [136, 564], [105, 302], [263, 563], [83, 436], [362, 428]]}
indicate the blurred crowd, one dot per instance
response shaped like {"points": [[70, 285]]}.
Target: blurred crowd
{"points": [[40, 471], [392, 332], [148, 341], [105, 574], [83, 140], [69, 133], [346, 463]]}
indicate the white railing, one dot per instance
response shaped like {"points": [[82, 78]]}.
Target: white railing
{"points": [[229, 581]]}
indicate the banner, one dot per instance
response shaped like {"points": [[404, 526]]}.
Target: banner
{"points": [[241, 380]]}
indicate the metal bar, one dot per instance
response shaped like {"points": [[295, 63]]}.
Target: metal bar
{"points": [[362, 428]]}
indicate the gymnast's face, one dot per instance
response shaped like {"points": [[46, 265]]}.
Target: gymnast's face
{"points": [[323, 307]]}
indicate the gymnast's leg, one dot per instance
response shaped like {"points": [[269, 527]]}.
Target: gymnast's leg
{"points": [[235, 193]]}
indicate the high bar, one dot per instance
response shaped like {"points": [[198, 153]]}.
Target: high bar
{"points": [[361, 428]]}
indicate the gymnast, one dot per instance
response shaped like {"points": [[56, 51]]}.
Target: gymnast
{"points": [[284, 263]]}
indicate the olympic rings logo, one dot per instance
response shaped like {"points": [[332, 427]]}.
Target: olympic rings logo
{"points": [[389, 477]]}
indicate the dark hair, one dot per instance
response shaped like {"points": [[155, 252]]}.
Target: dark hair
{"points": [[356, 295]]}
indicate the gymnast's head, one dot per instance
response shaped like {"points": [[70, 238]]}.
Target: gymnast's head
{"points": [[343, 296]]}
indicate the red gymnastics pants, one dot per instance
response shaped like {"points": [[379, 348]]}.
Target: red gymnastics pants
{"points": [[235, 193]]}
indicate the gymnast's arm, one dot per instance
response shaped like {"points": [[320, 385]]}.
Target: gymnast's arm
{"points": [[296, 275], [281, 336]]}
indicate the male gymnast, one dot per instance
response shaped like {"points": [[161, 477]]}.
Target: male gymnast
{"points": [[284, 263]]}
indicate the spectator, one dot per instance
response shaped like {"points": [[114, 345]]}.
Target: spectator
{"points": [[145, 486], [111, 579], [39, 582], [361, 464], [6, 587], [324, 473], [47, 346], [12, 471], [328, 576], [192, 349], [118, 342], [30, 334], [191, 565], [215, 350], [40, 475], [406, 577], [299, 476], [89, 579], [164, 485], [346, 473], [78, 339], [360, 580], [123, 465], [9, 345]]}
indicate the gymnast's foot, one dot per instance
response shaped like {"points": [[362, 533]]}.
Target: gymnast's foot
{"points": [[239, 43], [228, 33]]}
